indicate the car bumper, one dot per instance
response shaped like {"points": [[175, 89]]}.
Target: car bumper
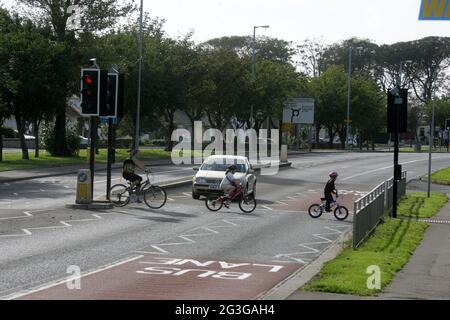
{"points": [[204, 189]]}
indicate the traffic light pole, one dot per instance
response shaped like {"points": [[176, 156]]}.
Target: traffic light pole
{"points": [[395, 191], [92, 154], [110, 147]]}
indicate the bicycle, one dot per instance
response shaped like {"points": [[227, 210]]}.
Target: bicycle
{"points": [[155, 197], [340, 212], [247, 202]]}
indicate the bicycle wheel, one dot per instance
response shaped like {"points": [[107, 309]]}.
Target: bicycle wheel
{"points": [[247, 203], [155, 197], [315, 211], [119, 195], [341, 213], [213, 204]]}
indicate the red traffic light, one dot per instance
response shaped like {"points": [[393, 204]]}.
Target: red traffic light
{"points": [[87, 79]]}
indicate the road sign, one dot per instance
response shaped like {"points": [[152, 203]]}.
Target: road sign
{"points": [[105, 120], [299, 111]]}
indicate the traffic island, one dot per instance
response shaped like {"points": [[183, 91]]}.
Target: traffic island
{"points": [[95, 205]]}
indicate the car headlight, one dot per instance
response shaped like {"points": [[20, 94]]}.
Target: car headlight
{"points": [[200, 180]]}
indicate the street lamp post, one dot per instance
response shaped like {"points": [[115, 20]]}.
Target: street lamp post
{"points": [[138, 112], [349, 93], [254, 63]]}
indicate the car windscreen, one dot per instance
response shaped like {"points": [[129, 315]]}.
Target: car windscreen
{"points": [[223, 164]]}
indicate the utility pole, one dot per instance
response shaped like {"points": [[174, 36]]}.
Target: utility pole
{"points": [[138, 112], [430, 152], [254, 67], [349, 93]]}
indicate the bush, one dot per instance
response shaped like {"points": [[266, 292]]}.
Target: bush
{"points": [[48, 139]]}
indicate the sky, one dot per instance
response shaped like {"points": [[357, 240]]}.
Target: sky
{"points": [[382, 21]]}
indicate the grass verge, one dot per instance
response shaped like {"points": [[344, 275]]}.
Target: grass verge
{"points": [[13, 160], [417, 205], [441, 176], [390, 248]]}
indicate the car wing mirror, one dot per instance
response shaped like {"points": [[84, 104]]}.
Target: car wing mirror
{"points": [[196, 168]]}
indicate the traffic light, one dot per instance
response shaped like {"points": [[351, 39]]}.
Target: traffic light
{"points": [[397, 113], [447, 124], [109, 107], [91, 91]]}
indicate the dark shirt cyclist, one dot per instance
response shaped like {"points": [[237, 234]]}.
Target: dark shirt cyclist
{"points": [[129, 166], [330, 189]]}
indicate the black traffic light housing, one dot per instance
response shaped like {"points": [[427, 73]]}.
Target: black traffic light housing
{"points": [[109, 107], [397, 111], [92, 91], [112, 105], [447, 124]]}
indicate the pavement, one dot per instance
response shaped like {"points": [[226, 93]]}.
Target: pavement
{"points": [[427, 274]]}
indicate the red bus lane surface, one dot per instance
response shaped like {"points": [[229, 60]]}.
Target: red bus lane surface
{"points": [[173, 278]]}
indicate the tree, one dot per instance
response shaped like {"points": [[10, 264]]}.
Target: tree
{"points": [[27, 67], [368, 111], [96, 15], [330, 93], [311, 52], [274, 84]]}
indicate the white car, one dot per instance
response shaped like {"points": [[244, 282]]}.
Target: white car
{"points": [[209, 176]]}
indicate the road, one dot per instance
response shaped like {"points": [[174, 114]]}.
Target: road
{"points": [[181, 251]]}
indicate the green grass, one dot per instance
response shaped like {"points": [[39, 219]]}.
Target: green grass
{"points": [[441, 176], [390, 248], [13, 160], [417, 205], [423, 149]]}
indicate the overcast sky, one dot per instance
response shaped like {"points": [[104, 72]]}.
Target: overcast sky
{"points": [[383, 21]]}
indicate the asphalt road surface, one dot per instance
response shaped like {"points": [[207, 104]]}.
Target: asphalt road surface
{"points": [[181, 251]]}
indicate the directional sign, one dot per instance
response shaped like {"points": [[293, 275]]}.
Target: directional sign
{"points": [[299, 111]]}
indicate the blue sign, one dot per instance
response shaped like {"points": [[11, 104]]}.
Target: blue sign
{"points": [[105, 120]]}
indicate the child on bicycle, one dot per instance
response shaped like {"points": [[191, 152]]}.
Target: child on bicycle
{"points": [[229, 184], [129, 166], [330, 189]]}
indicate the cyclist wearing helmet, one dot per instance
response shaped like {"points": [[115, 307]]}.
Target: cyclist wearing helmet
{"points": [[129, 166], [229, 184], [330, 189]]}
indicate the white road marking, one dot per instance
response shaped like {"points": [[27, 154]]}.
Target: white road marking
{"points": [[298, 256], [389, 167]]}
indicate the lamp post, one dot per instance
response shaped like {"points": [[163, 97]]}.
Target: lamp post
{"points": [[349, 93], [138, 112], [254, 64]]}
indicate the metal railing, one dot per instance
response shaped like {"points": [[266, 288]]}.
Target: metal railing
{"points": [[369, 209]]}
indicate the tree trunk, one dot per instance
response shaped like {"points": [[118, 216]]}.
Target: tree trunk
{"points": [[36, 135], [60, 134], [1, 145], [331, 136], [170, 117], [21, 130], [317, 135]]}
